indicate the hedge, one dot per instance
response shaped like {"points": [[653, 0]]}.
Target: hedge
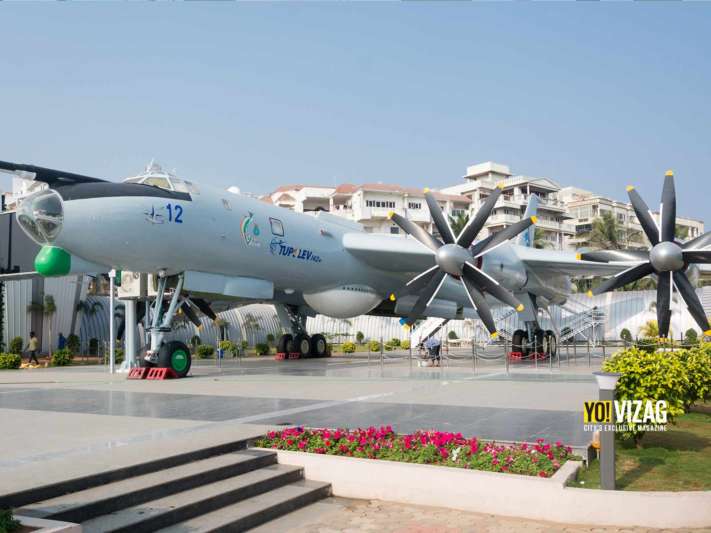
{"points": [[205, 351], [348, 347], [61, 357]]}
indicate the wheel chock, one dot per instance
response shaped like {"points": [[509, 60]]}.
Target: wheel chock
{"points": [[294, 355], [138, 373], [515, 356], [156, 373], [280, 356]]}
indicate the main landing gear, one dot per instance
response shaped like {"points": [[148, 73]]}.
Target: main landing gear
{"points": [[303, 344], [540, 344]]}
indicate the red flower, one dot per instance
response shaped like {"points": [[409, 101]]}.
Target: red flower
{"points": [[542, 474]]}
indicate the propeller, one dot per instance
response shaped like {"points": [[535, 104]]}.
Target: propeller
{"points": [[456, 257], [667, 258]]}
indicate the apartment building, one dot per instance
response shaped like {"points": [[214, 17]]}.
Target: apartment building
{"points": [[554, 225], [585, 206], [302, 198]]}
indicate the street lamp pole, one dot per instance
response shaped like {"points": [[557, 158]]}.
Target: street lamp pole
{"points": [[606, 382]]}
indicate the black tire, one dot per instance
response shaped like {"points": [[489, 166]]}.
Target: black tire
{"points": [[519, 341], [538, 341], [301, 345], [283, 344], [319, 346], [175, 355], [551, 344]]}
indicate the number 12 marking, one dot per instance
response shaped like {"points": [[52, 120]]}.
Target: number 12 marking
{"points": [[178, 219]]}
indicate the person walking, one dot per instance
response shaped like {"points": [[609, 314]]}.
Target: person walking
{"points": [[433, 346], [32, 347], [61, 342]]}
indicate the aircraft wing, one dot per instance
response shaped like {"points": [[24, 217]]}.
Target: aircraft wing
{"points": [[389, 252], [560, 262], [47, 175]]}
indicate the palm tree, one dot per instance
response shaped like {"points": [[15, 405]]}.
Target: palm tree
{"points": [[539, 239], [681, 232], [222, 326], [606, 233], [251, 324], [48, 308], [650, 329], [457, 223]]}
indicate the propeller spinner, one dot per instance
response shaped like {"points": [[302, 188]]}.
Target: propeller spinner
{"points": [[456, 257], [667, 258]]}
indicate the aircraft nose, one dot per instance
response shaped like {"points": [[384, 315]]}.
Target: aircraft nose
{"points": [[41, 216]]}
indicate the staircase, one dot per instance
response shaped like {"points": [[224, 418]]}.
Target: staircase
{"points": [[222, 491], [426, 329]]}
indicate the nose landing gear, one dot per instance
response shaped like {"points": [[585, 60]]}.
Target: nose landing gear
{"points": [[543, 344]]}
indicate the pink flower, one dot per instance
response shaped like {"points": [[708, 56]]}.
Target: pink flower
{"points": [[302, 444]]}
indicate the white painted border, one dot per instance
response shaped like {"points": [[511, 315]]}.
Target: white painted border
{"points": [[48, 526], [502, 494]]}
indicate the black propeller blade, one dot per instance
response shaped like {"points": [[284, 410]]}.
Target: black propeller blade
{"points": [[455, 257], [667, 258]]}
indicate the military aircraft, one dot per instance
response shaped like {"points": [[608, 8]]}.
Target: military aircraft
{"points": [[208, 247]]}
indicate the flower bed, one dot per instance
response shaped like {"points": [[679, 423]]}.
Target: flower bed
{"points": [[424, 447]]}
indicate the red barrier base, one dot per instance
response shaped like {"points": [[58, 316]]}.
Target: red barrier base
{"points": [[294, 355], [138, 373], [515, 355], [280, 356], [161, 373]]}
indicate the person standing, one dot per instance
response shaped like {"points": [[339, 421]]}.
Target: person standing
{"points": [[61, 342], [32, 347], [433, 346]]}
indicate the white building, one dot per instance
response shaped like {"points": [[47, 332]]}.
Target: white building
{"points": [[584, 207], [481, 179]]}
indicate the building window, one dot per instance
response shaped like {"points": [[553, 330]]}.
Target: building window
{"points": [[394, 230], [414, 205]]}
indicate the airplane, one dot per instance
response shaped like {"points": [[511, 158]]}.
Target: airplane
{"points": [[208, 248]]}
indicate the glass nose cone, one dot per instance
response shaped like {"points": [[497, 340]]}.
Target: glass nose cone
{"points": [[41, 215]]}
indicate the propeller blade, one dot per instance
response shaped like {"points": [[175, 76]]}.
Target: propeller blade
{"points": [[622, 256], [420, 281], [485, 282], [478, 247], [697, 256], [623, 278], [702, 241], [416, 231], [438, 218], [664, 288], [426, 296], [479, 303], [473, 227], [667, 215], [507, 233], [696, 310], [645, 219]]}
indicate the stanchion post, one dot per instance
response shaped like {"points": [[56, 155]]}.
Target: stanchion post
{"points": [[606, 382], [589, 363], [381, 353], [112, 311]]}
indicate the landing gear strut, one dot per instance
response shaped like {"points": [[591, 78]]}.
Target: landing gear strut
{"points": [[174, 355]]}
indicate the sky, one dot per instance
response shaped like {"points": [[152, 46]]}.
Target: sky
{"points": [[597, 95]]}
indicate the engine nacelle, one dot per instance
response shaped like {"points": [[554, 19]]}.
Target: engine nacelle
{"points": [[345, 301], [504, 266]]}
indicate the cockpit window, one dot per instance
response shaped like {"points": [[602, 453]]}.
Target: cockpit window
{"points": [[179, 185], [41, 215], [158, 182]]}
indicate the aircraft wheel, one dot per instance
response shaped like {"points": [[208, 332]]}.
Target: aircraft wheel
{"points": [[551, 343], [175, 355], [538, 337], [519, 340], [284, 343], [319, 346], [302, 345]]}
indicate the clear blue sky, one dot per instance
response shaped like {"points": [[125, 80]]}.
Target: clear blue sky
{"points": [[596, 95]]}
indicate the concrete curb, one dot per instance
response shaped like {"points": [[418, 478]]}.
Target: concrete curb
{"points": [[502, 494]]}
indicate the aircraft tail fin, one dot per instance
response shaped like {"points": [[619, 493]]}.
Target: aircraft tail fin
{"points": [[526, 238]]}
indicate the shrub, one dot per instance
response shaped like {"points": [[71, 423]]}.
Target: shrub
{"points": [[61, 357], [118, 355], [9, 361], [697, 363], [270, 339], [205, 351], [374, 346], [647, 344], [626, 335], [8, 523], [360, 337], [348, 347], [394, 342], [691, 338], [16, 346], [244, 345], [261, 348], [649, 376], [405, 345], [452, 335], [73, 344]]}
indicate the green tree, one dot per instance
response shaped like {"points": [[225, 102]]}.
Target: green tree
{"points": [[458, 222], [48, 308], [606, 233], [251, 325], [360, 337], [539, 239], [681, 232]]}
